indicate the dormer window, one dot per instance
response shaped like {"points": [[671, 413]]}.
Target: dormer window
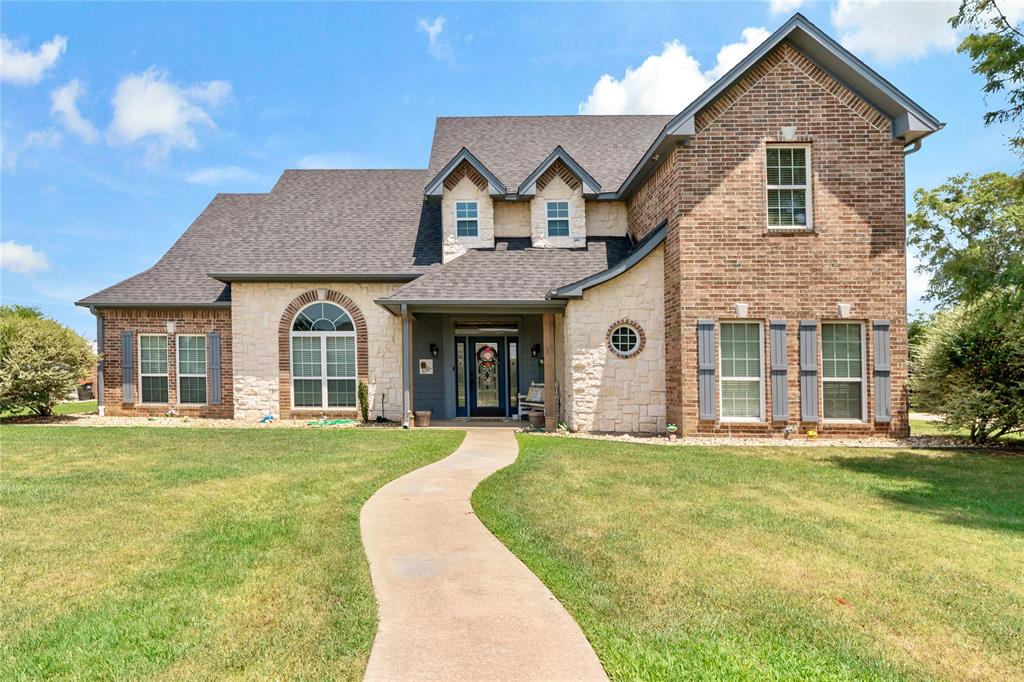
{"points": [[558, 218], [789, 187], [466, 217]]}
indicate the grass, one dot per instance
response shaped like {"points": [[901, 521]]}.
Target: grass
{"points": [[202, 553], [83, 407], [922, 427], [774, 563]]}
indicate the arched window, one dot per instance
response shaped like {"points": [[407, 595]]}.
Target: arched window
{"points": [[323, 357]]}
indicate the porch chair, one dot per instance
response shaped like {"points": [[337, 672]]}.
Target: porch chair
{"points": [[532, 400]]}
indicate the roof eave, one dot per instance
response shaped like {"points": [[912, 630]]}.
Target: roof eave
{"points": [[227, 278], [435, 188], [470, 305], [86, 303], [591, 187]]}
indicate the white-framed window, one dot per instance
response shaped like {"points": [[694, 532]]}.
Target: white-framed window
{"points": [[625, 338], [323, 355], [742, 377], [153, 368], [842, 371], [466, 219], [788, 169], [558, 218], [191, 369]]}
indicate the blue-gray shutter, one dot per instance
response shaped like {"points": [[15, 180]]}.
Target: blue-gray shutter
{"points": [[214, 369], [706, 368], [127, 368], [883, 371], [780, 388], [809, 370]]}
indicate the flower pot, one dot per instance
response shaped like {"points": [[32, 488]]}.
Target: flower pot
{"points": [[537, 420], [423, 418]]}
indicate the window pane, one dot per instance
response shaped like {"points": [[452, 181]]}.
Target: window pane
{"points": [[341, 392], [466, 228], [558, 228], [841, 350], [306, 356], [465, 209], [842, 400], [558, 209], [787, 166], [741, 399], [460, 373], [154, 354], [787, 207], [192, 355], [341, 356], [193, 390], [308, 393], [154, 389], [741, 349]]}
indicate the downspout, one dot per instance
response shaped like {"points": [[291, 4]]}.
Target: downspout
{"points": [[915, 147], [100, 407]]}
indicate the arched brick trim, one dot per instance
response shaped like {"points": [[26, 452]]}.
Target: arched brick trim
{"points": [[284, 345], [639, 332]]}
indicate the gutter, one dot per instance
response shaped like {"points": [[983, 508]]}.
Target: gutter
{"points": [[86, 303]]}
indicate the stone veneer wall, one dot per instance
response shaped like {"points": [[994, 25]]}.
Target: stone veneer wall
{"points": [[557, 189], [605, 392], [512, 219], [606, 219], [256, 313], [466, 189], [719, 250], [154, 321]]}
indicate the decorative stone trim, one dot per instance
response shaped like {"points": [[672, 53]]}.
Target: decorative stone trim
{"points": [[284, 346], [558, 169], [635, 327], [465, 170]]}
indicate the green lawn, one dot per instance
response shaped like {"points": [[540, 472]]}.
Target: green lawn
{"points": [[921, 427], [773, 563], [192, 553], [83, 407]]}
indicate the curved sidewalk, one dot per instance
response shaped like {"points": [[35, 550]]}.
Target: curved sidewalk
{"points": [[455, 604]]}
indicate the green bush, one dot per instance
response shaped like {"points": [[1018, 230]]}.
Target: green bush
{"points": [[970, 370], [41, 361], [364, 400]]}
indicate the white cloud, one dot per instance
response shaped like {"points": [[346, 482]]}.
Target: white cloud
{"points": [[893, 31], [25, 67], [148, 106], [65, 107], [665, 83], [438, 47], [47, 138], [22, 258], [785, 6], [334, 160], [224, 175]]}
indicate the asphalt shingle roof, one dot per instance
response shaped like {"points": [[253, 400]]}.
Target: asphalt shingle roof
{"points": [[511, 147], [514, 271]]}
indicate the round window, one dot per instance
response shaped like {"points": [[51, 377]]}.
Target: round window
{"points": [[625, 338]]}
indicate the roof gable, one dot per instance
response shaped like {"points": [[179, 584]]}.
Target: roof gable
{"points": [[558, 156], [436, 186]]}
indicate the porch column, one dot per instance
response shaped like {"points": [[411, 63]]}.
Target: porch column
{"points": [[407, 416], [550, 413]]}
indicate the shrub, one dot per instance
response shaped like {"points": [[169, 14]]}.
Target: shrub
{"points": [[970, 369], [364, 401], [41, 361]]}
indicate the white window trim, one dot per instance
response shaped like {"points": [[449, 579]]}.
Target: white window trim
{"points": [[206, 367], [624, 353], [323, 365], [862, 379], [567, 218], [165, 374], [806, 187], [476, 208], [760, 379]]}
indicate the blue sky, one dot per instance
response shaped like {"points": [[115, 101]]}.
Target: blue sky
{"points": [[121, 121]]}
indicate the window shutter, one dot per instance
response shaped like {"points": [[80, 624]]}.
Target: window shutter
{"points": [[215, 387], [883, 371], [809, 370], [780, 389], [127, 368], [706, 368]]}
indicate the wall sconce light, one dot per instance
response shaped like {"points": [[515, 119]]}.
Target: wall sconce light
{"points": [[843, 310], [170, 326], [740, 309], [433, 350], [535, 351]]}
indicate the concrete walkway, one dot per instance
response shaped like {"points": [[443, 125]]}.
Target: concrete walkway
{"points": [[454, 603]]}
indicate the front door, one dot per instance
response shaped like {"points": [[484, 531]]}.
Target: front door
{"points": [[487, 394]]}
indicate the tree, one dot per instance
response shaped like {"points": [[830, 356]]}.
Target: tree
{"points": [[41, 361], [20, 311], [997, 48], [970, 369], [970, 233]]}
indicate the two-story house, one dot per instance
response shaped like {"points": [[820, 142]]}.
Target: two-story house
{"points": [[738, 268]]}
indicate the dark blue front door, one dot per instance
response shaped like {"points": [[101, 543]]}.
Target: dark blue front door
{"points": [[488, 394]]}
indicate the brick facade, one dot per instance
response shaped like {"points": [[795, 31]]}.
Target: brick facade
{"points": [[719, 250], [154, 321]]}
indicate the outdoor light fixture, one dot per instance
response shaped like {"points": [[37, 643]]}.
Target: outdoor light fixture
{"points": [[433, 350], [535, 351]]}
